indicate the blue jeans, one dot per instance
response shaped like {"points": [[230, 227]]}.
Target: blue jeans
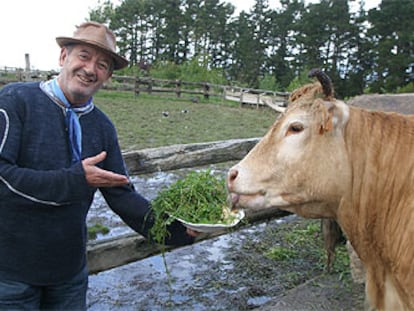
{"points": [[66, 296]]}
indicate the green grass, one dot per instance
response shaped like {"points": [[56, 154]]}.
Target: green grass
{"points": [[292, 253], [200, 197], [140, 122], [95, 229]]}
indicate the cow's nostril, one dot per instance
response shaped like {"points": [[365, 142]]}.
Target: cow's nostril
{"points": [[233, 174]]}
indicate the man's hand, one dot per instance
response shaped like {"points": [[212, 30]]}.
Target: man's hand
{"points": [[97, 177]]}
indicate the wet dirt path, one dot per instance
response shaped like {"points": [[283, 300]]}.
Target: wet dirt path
{"points": [[202, 278]]}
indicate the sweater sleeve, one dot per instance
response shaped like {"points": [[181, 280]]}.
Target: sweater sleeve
{"points": [[54, 188], [51, 187]]}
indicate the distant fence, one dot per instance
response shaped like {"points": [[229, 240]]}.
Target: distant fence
{"points": [[13, 74], [256, 97], [193, 90]]}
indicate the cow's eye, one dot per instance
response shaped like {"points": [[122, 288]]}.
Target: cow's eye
{"points": [[295, 128]]}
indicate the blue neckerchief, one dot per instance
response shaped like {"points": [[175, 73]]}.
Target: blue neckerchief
{"points": [[53, 89]]}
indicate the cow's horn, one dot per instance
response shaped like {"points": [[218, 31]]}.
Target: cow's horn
{"points": [[324, 80]]}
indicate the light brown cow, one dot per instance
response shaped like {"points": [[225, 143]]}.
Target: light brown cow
{"points": [[324, 159]]}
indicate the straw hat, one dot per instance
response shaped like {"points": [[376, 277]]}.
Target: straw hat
{"points": [[96, 35]]}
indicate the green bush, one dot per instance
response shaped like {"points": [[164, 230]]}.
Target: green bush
{"points": [[268, 82], [409, 88]]}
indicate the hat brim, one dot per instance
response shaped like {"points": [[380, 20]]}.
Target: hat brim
{"points": [[119, 61]]}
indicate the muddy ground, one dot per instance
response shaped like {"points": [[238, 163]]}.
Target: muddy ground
{"points": [[275, 265], [324, 292]]}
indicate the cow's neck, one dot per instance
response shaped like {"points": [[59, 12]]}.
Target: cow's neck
{"points": [[380, 149]]}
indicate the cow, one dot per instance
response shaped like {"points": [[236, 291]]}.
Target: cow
{"points": [[324, 159]]}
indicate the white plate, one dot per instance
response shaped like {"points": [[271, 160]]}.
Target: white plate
{"points": [[209, 228]]}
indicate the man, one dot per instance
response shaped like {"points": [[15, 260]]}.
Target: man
{"points": [[56, 149]]}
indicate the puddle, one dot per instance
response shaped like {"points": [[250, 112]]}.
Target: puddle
{"points": [[201, 275]]}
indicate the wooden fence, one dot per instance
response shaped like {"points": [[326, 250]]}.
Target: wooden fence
{"points": [[178, 88], [13, 74], [193, 90]]}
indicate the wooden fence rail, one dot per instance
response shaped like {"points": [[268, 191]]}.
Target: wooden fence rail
{"points": [[174, 157], [178, 87]]}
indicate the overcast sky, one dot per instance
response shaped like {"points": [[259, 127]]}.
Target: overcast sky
{"points": [[31, 26]]}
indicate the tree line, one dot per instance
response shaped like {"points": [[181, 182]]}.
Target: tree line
{"points": [[272, 48]]}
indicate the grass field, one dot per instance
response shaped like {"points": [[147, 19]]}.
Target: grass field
{"points": [[141, 123]]}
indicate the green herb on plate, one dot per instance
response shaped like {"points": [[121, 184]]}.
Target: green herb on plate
{"points": [[198, 198]]}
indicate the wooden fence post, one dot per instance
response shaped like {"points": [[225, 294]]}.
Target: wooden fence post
{"points": [[178, 88], [241, 97], [137, 91], [150, 86], [19, 74], [206, 90]]}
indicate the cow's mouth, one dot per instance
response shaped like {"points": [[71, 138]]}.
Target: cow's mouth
{"points": [[262, 199], [246, 200]]}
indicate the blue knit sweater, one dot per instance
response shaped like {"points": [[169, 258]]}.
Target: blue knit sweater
{"points": [[44, 199]]}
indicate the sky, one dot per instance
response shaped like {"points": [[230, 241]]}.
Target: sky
{"points": [[31, 26]]}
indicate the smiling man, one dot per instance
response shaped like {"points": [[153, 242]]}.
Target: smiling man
{"points": [[56, 149]]}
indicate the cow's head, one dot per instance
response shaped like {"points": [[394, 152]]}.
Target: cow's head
{"points": [[301, 164]]}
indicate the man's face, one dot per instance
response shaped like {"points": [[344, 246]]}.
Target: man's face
{"points": [[84, 70]]}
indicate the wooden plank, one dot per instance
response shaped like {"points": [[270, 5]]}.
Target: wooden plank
{"points": [[186, 155], [254, 97], [118, 251], [114, 252], [275, 103], [276, 106]]}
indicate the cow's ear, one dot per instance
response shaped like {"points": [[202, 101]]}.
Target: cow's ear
{"points": [[337, 115]]}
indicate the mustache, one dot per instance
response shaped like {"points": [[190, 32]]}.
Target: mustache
{"points": [[89, 75]]}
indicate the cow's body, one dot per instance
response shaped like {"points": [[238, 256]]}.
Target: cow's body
{"points": [[323, 159]]}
